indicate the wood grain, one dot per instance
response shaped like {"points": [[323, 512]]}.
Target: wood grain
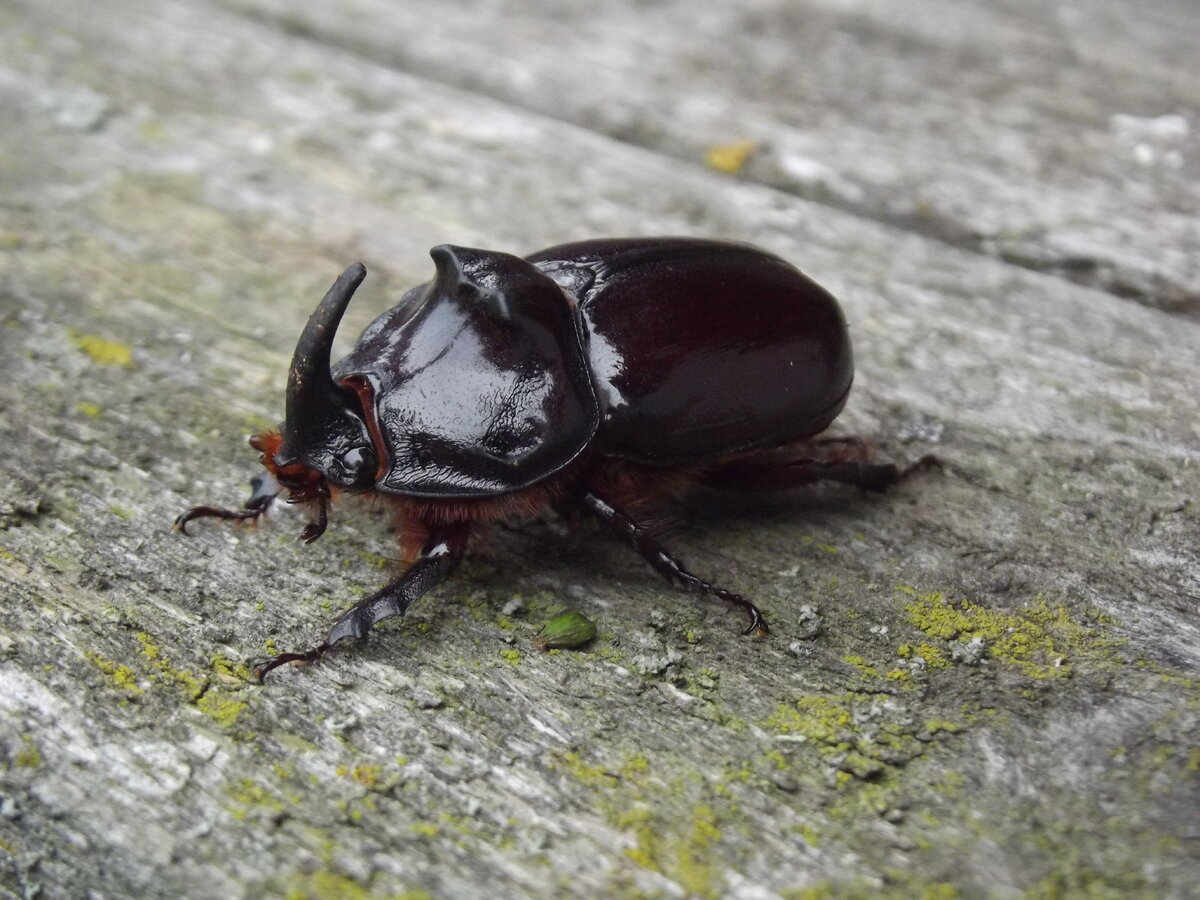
{"points": [[179, 181]]}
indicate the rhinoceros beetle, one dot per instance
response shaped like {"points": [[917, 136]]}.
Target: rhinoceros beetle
{"points": [[589, 378]]}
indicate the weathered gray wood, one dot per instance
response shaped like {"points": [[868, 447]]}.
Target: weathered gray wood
{"points": [[181, 181], [1060, 138]]}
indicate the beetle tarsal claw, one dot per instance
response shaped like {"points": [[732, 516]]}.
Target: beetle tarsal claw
{"points": [[262, 667], [758, 624], [314, 530], [928, 461]]}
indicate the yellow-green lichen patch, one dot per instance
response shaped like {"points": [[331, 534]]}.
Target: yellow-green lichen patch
{"points": [[91, 410], [425, 829], [103, 351], [811, 835], [228, 670], [729, 159], [861, 736], [220, 707], [28, 757], [219, 703], [379, 562], [905, 886], [933, 657], [820, 718], [684, 858], [326, 885], [256, 423], [702, 683], [636, 765], [672, 826], [153, 131], [1088, 883], [366, 775], [122, 678], [585, 772], [1039, 641], [1193, 760], [861, 664], [251, 797], [192, 685]]}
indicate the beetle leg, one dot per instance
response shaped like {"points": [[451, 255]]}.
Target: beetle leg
{"points": [[637, 537], [443, 550], [264, 489], [316, 528], [750, 476]]}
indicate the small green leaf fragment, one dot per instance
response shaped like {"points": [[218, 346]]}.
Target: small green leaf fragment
{"points": [[566, 631]]}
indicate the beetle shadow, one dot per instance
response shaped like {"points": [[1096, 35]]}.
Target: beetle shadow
{"points": [[710, 511], [696, 525]]}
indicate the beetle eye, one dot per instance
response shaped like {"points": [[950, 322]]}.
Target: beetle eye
{"points": [[359, 465]]}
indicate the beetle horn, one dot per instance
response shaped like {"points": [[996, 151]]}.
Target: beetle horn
{"points": [[506, 286], [457, 270], [313, 400]]}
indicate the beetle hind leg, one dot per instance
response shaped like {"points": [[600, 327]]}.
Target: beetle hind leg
{"points": [[637, 537]]}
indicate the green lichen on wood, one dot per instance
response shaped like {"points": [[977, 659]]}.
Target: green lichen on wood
{"points": [[683, 854], [28, 757], [326, 885], [221, 708], [251, 798], [905, 886], [1039, 640], [120, 677], [674, 826], [219, 703], [365, 774], [103, 351], [152, 653]]}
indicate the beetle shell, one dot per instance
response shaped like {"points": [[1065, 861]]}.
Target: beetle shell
{"points": [[665, 352], [699, 349]]}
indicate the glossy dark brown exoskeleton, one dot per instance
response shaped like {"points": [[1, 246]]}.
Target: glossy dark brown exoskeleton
{"points": [[590, 378]]}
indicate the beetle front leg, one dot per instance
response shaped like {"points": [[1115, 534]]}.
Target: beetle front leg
{"points": [[441, 553], [264, 489], [663, 562]]}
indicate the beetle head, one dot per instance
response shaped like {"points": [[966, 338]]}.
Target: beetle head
{"points": [[325, 430]]}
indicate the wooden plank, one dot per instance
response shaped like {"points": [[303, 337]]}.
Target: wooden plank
{"points": [[1058, 138], [181, 181]]}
